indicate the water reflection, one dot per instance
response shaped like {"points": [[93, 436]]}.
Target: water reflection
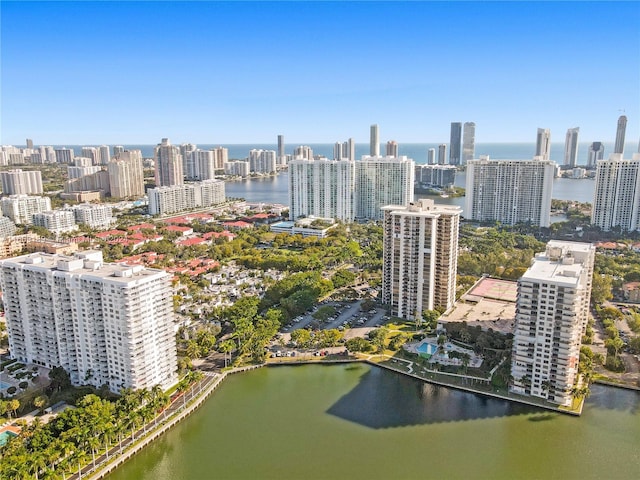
{"points": [[383, 400]]}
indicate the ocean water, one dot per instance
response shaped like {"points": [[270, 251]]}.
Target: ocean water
{"points": [[416, 151]]}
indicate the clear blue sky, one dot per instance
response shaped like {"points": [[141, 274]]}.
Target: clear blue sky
{"points": [[243, 72]]}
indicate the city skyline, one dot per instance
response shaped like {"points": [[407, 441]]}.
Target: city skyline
{"points": [[246, 89]]}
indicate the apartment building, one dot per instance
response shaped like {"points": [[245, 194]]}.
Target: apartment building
{"points": [[551, 317], [420, 257], [105, 324]]}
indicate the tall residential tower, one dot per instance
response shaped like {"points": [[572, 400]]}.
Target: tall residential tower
{"points": [[420, 255]]}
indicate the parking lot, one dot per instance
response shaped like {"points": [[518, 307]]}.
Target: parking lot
{"points": [[347, 315]]}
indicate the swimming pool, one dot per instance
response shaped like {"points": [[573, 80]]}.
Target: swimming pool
{"points": [[426, 349], [4, 385]]}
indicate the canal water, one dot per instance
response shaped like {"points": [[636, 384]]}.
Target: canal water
{"points": [[361, 422]]}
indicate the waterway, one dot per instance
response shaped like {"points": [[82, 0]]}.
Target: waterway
{"points": [[361, 422]]}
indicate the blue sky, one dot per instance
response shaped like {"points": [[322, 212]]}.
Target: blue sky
{"points": [[243, 72]]}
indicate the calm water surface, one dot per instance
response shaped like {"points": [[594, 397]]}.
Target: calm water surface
{"points": [[361, 422]]}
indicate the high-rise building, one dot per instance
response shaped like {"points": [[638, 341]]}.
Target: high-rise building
{"points": [[180, 198], [7, 227], [103, 155], [455, 143], [381, 181], [169, 168], [438, 176], [596, 152], [431, 156], [237, 167], [221, 157], [303, 151], [351, 149], [442, 154], [345, 150], [21, 208], [616, 198], [551, 317], [117, 150], [56, 221], [16, 182], [543, 143], [126, 176], [92, 153], [262, 161], [64, 155], [282, 158], [509, 191], [620, 134], [420, 257], [392, 148], [105, 324], [321, 188], [29, 144], [468, 141], [374, 141], [93, 215], [571, 147]]}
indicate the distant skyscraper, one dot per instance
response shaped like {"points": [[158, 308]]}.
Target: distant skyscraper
{"points": [[392, 148], [169, 169], [551, 316], [374, 142], [92, 153], [117, 150], [126, 177], [509, 191], [620, 134], [420, 256], [29, 144], [616, 201], [431, 156], [455, 143], [468, 141], [596, 152], [571, 147], [282, 159], [543, 143], [221, 155], [442, 154], [262, 161], [64, 155], [351, 147], [104, 154], [303, 151]]}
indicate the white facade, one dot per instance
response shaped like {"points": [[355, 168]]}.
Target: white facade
{"points": [[420, 257], [374, 141], [7, 227], [552, 313], [17, 182], [381, 181], [468, 141], [237, 167], [616, 198], [543, 143], [509, 191], [56, 221], [95, 216], [105, 324], [321, 188], [81, 171], [181, 198], [571, 147], [262, 161], [21, 208]]}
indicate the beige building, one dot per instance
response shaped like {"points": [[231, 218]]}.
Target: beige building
{"points": [[126, 177], [420, 257]]}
